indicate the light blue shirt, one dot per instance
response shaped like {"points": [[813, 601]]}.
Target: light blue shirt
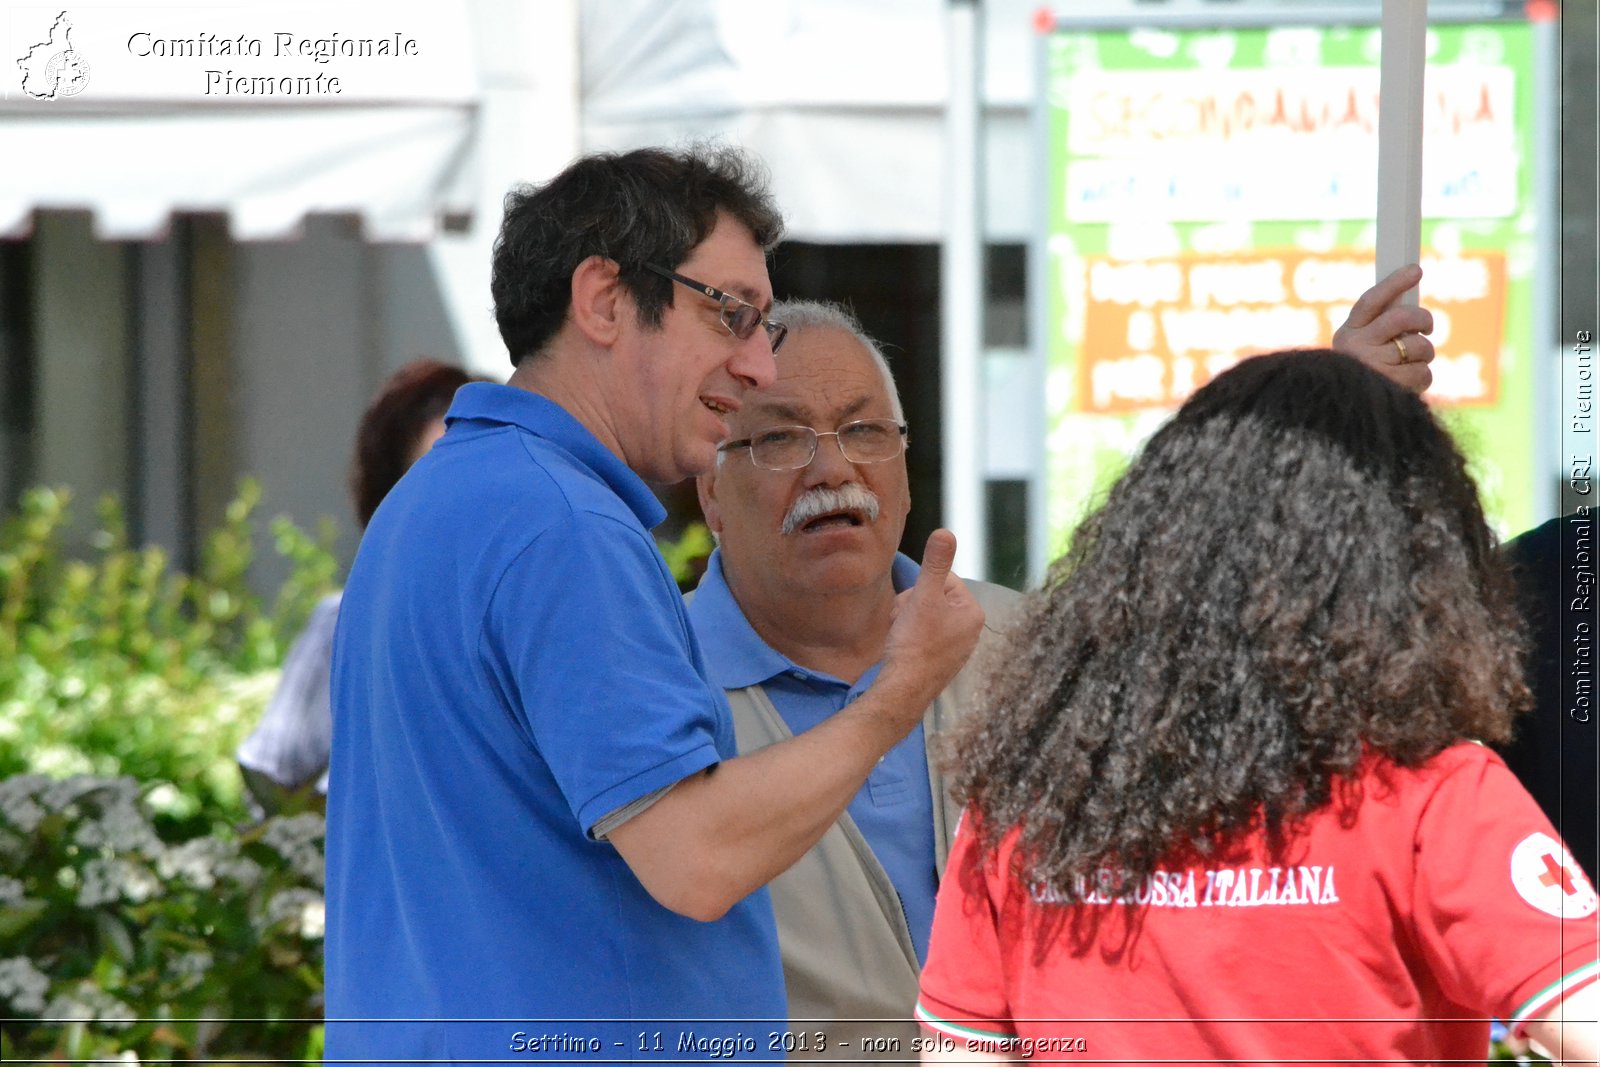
{"points": [[894, 808]]}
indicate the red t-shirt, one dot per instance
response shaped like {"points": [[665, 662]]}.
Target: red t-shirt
{"points": [[1411, 909]]}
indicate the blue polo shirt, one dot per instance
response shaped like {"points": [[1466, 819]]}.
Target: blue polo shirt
{"points": [[512, 663], [894, 807]]}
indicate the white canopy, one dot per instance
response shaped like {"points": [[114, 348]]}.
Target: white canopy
{"points": [[363, 109], [844, 101]]}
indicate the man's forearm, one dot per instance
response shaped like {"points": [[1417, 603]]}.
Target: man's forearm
{"points": [[722, 834], [718, 836]]}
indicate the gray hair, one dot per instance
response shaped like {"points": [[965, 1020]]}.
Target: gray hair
{"points": [[800, 315]]}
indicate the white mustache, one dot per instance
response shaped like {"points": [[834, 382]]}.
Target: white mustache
{"points": [[852, 496]]}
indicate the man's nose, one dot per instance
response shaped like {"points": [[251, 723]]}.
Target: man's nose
{"points": [[753, 363], [829, 466]]}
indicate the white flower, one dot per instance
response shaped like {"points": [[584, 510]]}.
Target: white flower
{"points": [[12, 892], [301, 910], [241, 871], [17, 801], [91, 1004], [59, 761], [68, 1009], [164, 797], [106, 793], [22, 985], [196, 861], [121, 827], [297, 839], [293, 831], [191, 967], [107, 880], [102, 882], [138, 884], [313, 920]]}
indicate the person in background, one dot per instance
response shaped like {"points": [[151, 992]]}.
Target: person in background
{"points": [[285, 759], [1222, 791], [1556, 751]]}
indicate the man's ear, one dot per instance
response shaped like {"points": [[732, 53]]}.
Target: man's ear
{"points": [[599, 300], [705, 486]]}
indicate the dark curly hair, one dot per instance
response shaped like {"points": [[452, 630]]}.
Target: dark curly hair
{"points": [[650, 205], [1294, 572], [412, 397]]}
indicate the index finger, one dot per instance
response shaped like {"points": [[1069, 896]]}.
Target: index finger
{"points": [[1376, 300], [938, 557]]}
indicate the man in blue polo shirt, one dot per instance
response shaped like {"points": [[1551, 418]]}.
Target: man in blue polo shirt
{"points": [[540, 842]]}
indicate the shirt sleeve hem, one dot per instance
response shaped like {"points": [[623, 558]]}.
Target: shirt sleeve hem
{"points": [[1552, 994], [643, 784], [953, 1023], [602, 830]]}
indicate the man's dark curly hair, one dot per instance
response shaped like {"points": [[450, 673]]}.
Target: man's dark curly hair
{"points": [[1293, 573], [650, 205]]}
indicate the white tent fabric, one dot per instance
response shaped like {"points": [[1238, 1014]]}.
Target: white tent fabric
{"points": [[153, 130], [844, 101], [399, 169]]}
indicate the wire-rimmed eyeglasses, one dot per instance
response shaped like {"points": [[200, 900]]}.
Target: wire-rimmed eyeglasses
{"points": [[740, 316], [788, 448]]}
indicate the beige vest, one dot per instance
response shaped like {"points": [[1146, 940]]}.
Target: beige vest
{"points": [[848, 960]]}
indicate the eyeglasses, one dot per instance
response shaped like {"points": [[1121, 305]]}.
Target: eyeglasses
{"points": [[788, 448], [740, 316]]}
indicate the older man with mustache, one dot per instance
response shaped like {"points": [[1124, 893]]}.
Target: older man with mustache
{"points": [[808, 501]]}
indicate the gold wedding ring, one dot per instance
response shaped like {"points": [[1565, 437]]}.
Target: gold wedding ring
{"points": [[1401, 345]]}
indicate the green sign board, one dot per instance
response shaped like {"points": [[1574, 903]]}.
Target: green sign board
{"points": [[1212, 195]]}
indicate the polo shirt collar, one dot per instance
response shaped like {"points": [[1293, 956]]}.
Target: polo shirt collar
{"points": [[735, 654], [544, 418]]}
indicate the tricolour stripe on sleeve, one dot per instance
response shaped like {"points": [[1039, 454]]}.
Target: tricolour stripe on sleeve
{"points": [[1556, 991], [965, 1032]]}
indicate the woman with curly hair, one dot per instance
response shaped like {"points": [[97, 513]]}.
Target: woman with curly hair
{"points": [[1223, 800]]}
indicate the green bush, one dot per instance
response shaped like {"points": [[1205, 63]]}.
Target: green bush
{"points": [[686, 556], [121, 665], [135, 918], [114, 942]]}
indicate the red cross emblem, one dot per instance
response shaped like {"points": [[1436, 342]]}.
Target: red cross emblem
{"points": [[1546, 876], [1556, 873]]}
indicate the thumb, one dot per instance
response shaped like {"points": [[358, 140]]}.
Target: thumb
{"points": [[938, 557]]}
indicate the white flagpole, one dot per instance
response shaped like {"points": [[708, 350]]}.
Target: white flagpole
{"points": [[1405, 30], [962, 294]]}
